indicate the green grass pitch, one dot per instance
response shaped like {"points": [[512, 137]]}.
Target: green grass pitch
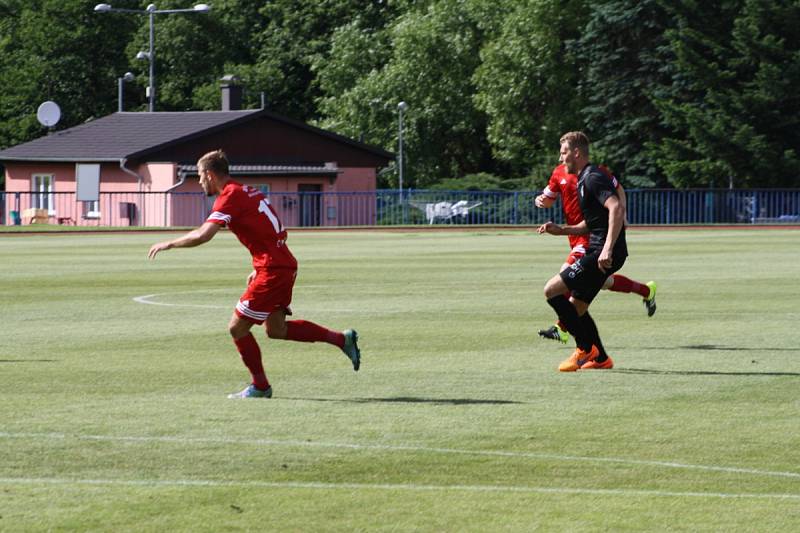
{"points": [[114, 413]]}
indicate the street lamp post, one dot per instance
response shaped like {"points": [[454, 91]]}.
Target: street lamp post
{"points": [[401, 107], [120, 82], [151, 11]]}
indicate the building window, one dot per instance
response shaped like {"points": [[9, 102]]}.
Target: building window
{"points": [[91, 210], [42, 197]]}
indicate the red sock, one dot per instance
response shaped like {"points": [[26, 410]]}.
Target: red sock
{"points": [[251, 357], [623, 284], [305, 331]]}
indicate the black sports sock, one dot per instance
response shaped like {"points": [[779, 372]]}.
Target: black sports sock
{"points": [[569, 317], [591, 331]]}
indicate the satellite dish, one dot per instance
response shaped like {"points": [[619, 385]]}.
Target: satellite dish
{"points": [[48, 114]]}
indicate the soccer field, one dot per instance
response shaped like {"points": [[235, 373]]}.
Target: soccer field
{"points": [[114, 372]]}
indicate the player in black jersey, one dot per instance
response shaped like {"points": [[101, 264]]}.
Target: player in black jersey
{"points": [[604, 221]]}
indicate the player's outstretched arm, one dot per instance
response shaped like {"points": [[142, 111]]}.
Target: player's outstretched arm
{"points": [[196, 237], [550, 227], [555, 229]]}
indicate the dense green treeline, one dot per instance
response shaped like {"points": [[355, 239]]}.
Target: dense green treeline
{"points": [[672, 92]]}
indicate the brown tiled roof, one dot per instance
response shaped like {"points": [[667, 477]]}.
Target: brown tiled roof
{"points": [[135, 134]]}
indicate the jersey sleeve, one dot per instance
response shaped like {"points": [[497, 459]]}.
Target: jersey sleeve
{"points": [[607, 171], [223, 211], [602, 188], [553, 188]]}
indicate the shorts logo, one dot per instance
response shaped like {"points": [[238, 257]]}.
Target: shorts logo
{"points": [[574, 269]]}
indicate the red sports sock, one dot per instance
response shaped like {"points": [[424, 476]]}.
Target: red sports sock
{"points": [[251, 357], [305, 331], [623, 284]]}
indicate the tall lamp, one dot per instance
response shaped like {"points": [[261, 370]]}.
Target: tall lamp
{"points": [[401, 107], [128, 77], [150, 55]]}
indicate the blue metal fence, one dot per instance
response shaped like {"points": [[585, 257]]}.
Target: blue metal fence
{"points": [[391, 208], [713, 206]]}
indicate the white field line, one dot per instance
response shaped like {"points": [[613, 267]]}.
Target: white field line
{"points": [[147, 299], [390, 487], [402, 448]]}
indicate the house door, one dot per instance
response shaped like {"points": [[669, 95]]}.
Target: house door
{"points": [[310, 199]]}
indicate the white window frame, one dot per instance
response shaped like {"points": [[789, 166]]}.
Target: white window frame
{"points": [[42, 186], [91, 210]]}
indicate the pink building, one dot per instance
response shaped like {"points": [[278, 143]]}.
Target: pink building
{"points": [[132, 168]]}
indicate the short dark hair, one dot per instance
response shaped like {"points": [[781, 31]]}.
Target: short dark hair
{"points": [[576, 139], [215, 161]]}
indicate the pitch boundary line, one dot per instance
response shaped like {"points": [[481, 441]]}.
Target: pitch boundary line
{"points": [[316, 485], [145, 299], [404, 448]]}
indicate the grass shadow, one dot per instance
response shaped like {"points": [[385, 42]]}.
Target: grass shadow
{"points": [[414, 399], [28, 360], [699, 372], [710, 347], [733, 348]]}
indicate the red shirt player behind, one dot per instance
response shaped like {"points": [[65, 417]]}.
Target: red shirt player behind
{"points": [[249, 215]]}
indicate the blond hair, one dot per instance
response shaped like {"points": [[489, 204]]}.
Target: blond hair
{"points": [[215, 161], [576, 139]]}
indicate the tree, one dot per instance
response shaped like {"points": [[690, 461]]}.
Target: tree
{"points": [[734, 110], [527, 83], [618, 48], [57, 50], [291, 35], [426, 57]]}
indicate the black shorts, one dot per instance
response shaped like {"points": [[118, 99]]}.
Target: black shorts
{"points": [[585, 279]]}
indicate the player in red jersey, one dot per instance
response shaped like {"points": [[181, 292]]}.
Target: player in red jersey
{"points": [[249, 215], [564, 184]]}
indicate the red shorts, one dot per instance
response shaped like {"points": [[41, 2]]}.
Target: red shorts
{"points": [[269, 290]]}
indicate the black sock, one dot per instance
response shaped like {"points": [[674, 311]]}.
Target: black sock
{"points": [[591, 331], [569, 317]]}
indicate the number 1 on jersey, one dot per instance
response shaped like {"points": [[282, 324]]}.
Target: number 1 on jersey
{"points": [[263, 207]]}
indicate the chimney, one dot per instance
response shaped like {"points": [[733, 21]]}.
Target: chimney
{"points": [[231, 93]]}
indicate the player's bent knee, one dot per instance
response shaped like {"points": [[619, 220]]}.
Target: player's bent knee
{"points": [[554, 287], [276, 332], [276, 325], [238, 328]]}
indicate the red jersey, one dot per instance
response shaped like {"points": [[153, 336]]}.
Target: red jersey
{"points": [[248, 214], [565, 184]]}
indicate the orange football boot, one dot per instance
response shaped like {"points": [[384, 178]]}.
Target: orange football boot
{"points": [[578, 359], [594, 365]]}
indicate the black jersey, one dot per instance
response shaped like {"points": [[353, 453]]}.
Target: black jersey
{"points": [[594, 188]]}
